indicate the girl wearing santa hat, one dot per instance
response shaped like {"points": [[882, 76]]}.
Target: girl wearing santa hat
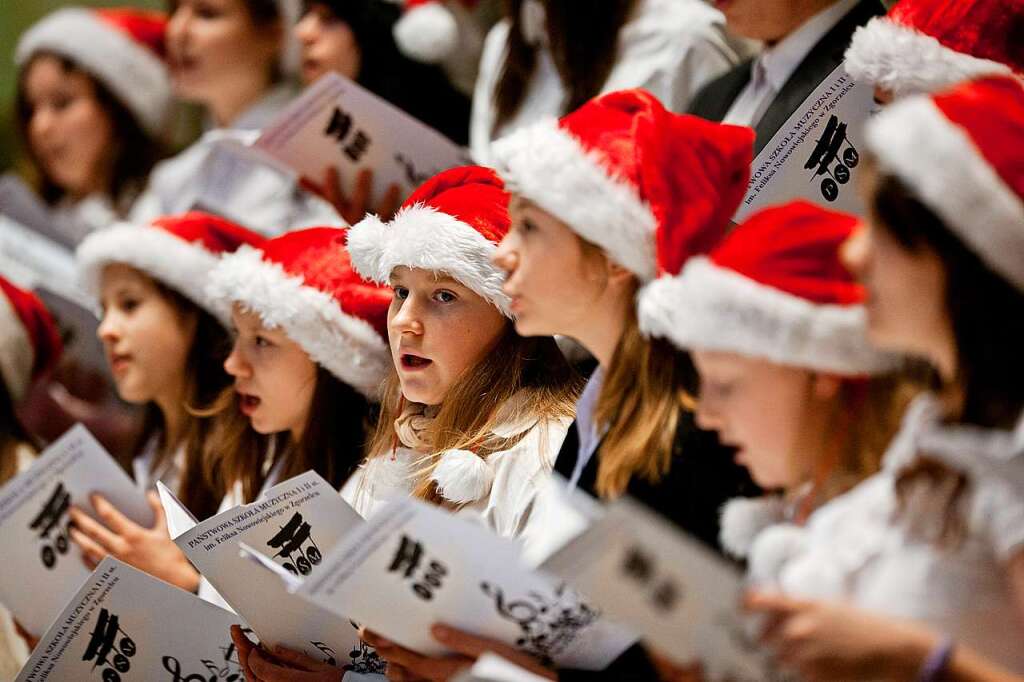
{"points": [[601, 202], [30, 346], [777, 328], [457, 428], [92, 110], [234, 58], [307, 362], [938, 535], [472, 414], [165, 341]]}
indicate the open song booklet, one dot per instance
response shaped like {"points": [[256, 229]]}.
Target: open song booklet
{"points": [[682, 598], [43, 568], [296, 522], [102, 634], [336, 122]]}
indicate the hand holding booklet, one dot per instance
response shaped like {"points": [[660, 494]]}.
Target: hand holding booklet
{"points": [[43, 568], [413, 565], [123, 624], [336, 122], [297, 522]]}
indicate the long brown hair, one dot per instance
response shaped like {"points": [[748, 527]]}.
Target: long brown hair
{"points": [[205, 378], [135, 153], [332, 442], [530, 371], [645, 386], [584, 48], [978, 301]]}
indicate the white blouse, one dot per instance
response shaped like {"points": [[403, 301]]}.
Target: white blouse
{"points": [[258, 197], [856, 547], [670, 47], [518, 474]]}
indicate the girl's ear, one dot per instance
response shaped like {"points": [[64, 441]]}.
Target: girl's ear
{"points": [[826, 386], [617, 274]]}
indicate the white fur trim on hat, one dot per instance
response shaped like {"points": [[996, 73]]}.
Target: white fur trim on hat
{"points": [[462, 476], [427, 33], [546, 165], [743, 519], [133, 73], [16, 352], [181, 265], [905, 61], [714, 308], [915, 141], [422, 237], [345, 345]]}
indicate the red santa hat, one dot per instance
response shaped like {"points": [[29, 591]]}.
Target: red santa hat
{"points": [[303, 283], [960, 152], [30, 344], [122, 48], [451, 224], [648, 186], [774, 289], [178, 251], [428, 30], [928, 45]]}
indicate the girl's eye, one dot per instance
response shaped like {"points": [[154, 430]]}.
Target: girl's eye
{"points": [[444, 296], [129, 304], [262, 342], [401, 293], [527, 225]]}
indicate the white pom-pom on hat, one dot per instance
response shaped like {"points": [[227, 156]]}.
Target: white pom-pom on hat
{"points": [[743, 519], [427, 31], [772, 550], [462, 476]]}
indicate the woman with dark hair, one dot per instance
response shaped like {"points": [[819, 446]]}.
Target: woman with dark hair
{"points": [[355, 39], [548, 57], [92, 110], [30, 346], [165, 341], [938, 535], [234, 59]]}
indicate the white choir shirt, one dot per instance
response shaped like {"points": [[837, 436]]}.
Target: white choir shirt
{"points": [[857, 548], [773, 67], [670, 47]]}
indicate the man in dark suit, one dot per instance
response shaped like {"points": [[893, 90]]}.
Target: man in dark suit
{"points": [[805, 41]]}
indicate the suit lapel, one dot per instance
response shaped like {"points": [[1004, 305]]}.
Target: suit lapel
{"points": [[816, 66]]}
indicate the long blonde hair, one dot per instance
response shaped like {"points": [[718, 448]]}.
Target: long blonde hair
{"points": [[530, 374]]}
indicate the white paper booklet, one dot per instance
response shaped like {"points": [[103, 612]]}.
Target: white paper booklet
{"points": [[336, 122], [296, 522], [681, 598], [42, 567], [413, 565], [816, 153], [494, 668], [126, 625]]}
